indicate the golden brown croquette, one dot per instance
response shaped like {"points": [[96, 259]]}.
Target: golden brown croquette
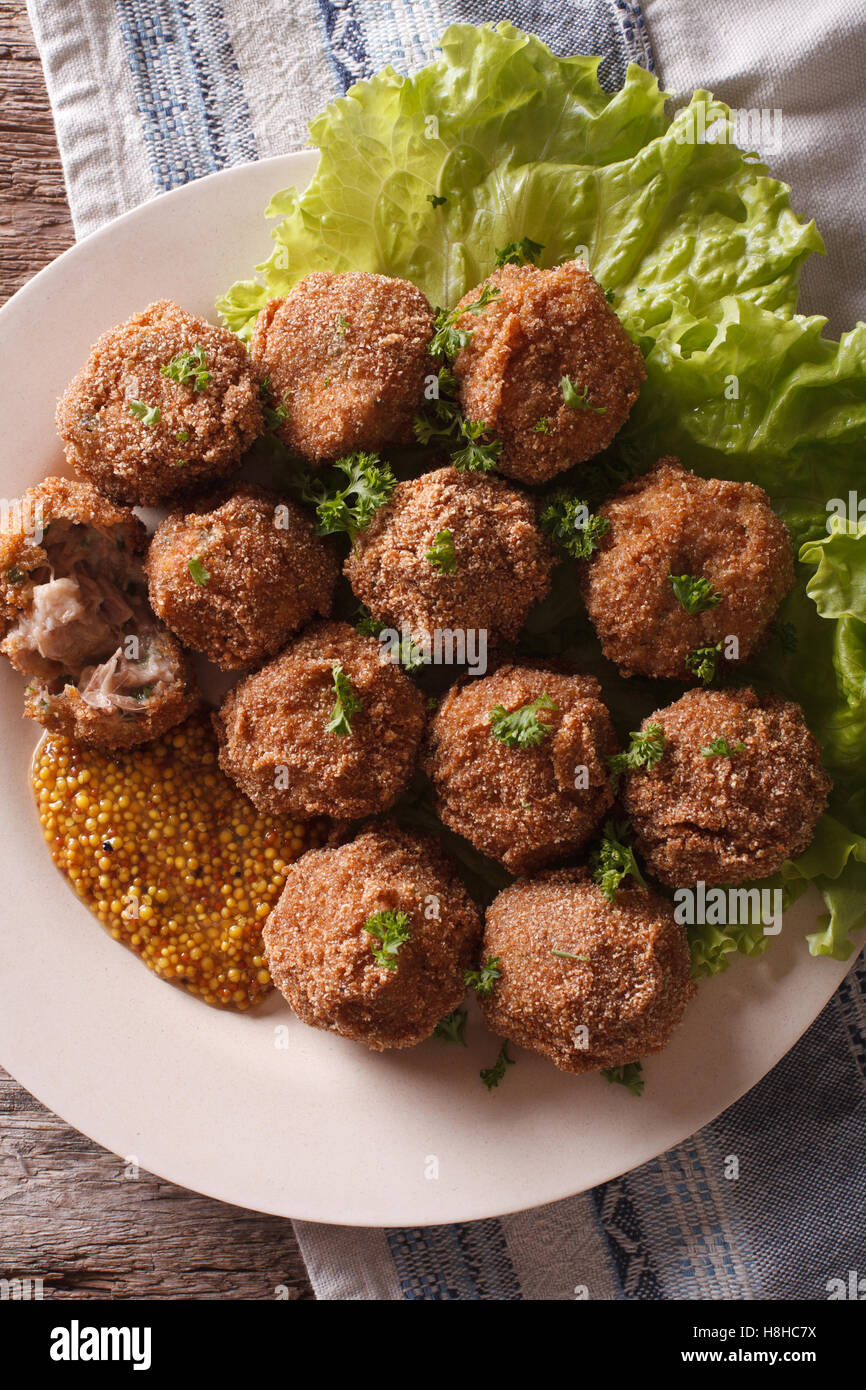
{"points": [[276, 744], [345, 356], [324, 960], [236, 576], [545, 326], [144, 437], [525, 806], [585, 982], [670, 522], [501, 560], [75, 619], [729, 815]]}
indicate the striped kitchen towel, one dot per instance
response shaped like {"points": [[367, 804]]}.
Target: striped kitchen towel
{"points": [[148, 94]]}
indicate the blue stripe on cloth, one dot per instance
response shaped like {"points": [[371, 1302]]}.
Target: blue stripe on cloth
{"points": [[468, 1261], [364, 35], [188, 89]]}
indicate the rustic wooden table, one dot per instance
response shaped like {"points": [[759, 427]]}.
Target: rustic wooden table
{"points": [[69, 1214]]}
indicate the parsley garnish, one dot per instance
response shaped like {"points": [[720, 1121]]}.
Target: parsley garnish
{"points": [[523, 252], [614, 860], [703, 662], [491, 1076], [720, 748], [411, 653], [391, 929], [483, 980], [189, 366], [147, 414], [694, 592], [274, 415], [441, 553], [542, 426], [446, 424], [182, 436], [197, 570], [452, 1027], [577, 399], [346, 703], [569, 955], [569, 522], [609, 296], [369, 485], [522, 728], [646, 748], [630, 1075], [475, 457], [436, 199], [342, 325], [447, 340]]}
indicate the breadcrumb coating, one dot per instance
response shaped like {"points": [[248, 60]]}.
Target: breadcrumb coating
{"points": [[545, 325], [197, 435], [321, 957], [672, 522], [727, 819], [616, 991], [346, 357], [268, 574], [526, 807], [503, 561], [274, 740]]}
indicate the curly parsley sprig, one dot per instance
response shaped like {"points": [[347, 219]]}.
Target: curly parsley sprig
{"points": [[569, 522], [369, 485], [614, 860], [346, 704], [491, 1076], [630, 1075], [646, 748], [521, 728], [391, 930], [523, 252], [694, 592], [703, 662], [483, 980], [448, 340]]}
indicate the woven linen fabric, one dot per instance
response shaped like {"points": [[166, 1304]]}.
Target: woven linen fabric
{"points": [[147, 96]]}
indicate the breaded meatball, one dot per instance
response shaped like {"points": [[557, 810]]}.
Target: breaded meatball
{"points": [[500, 565], [275, 740], [235, 577], [144, 436], [542, 327], [670, 522], [346, 357], [325, 961], [615, 991], [724, 813], [75, 619], [523, 805]]}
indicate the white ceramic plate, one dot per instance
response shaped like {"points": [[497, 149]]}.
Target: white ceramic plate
{"points": [[322, 1129]]}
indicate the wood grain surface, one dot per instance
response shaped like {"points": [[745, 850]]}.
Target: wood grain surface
{"points": [[72, 1214]]}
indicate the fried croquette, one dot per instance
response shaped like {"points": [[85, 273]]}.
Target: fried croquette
{"points": [[103, 670], [670, 524], [527, 805], [549, 368], [498, 561], [165, 403], [346, 358], [327, 962], [585, 982], [326, 729], [236, 577], [738, 790]]}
